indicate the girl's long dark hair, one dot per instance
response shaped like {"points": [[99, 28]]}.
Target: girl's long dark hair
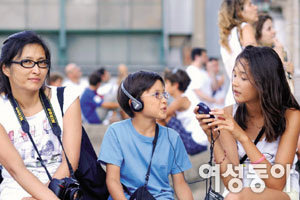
{"points": [[274, 92]]}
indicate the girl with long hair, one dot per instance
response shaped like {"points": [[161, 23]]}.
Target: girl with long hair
{"points": [[266, 111]]}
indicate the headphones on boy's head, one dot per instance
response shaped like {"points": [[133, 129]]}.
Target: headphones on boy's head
{"points": [[136, 105]]}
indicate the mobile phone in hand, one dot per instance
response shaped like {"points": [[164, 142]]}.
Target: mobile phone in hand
{"points": [[204, 109]]}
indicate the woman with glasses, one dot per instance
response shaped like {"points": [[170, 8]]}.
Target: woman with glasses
{"points": [[25, 64], [236, 19], [127, 145]]}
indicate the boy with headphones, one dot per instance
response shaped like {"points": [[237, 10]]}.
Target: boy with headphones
{"points": [[127, 148]]}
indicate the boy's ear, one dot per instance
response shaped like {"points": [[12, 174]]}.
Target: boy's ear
{"points": [[176, 84], [129, 102]]}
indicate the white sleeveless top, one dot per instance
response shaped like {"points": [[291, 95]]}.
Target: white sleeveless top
{"points": [[190, 124], [229, 59], [269, 150], [42, 134]]}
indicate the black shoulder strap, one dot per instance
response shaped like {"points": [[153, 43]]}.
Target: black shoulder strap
{"points": [[261, 132], [149, 167], [25, 127], [60, 97], [55, 126], [153, 149]]}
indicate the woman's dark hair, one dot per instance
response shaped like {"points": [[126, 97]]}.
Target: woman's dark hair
{"points": [[13, 46], [136, 83], [262, 18], [274, 93], [178, 76]]}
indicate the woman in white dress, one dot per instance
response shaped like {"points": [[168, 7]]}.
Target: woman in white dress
{"points": [[236, 31]]}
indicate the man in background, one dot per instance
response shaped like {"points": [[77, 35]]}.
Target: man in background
{"points": [[217, 80], [74, 77], [108, 91], [201, 86], [56, 79]]}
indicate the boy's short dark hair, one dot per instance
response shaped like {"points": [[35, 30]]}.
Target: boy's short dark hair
{"points": [[197, 52], [101, 71], [94, 79], [178, 76], [213, 59], [136, 84], [55, 76]]}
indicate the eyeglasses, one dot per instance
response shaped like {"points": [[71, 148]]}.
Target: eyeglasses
{"points": [[27, 63], [159, 95]]}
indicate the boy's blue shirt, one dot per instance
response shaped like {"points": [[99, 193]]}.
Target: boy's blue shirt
{"points": [[89, 102], [123, 146]]}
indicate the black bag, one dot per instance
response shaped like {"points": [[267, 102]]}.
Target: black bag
{"points": [[212, 195], [89, 173], [141, 194]]}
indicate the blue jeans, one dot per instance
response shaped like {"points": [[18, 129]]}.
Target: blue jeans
{"points": [[190, 145]]}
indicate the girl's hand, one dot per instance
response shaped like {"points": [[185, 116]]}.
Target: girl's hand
{"points": [[224, 121], [28, 198], [204, 120]]}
